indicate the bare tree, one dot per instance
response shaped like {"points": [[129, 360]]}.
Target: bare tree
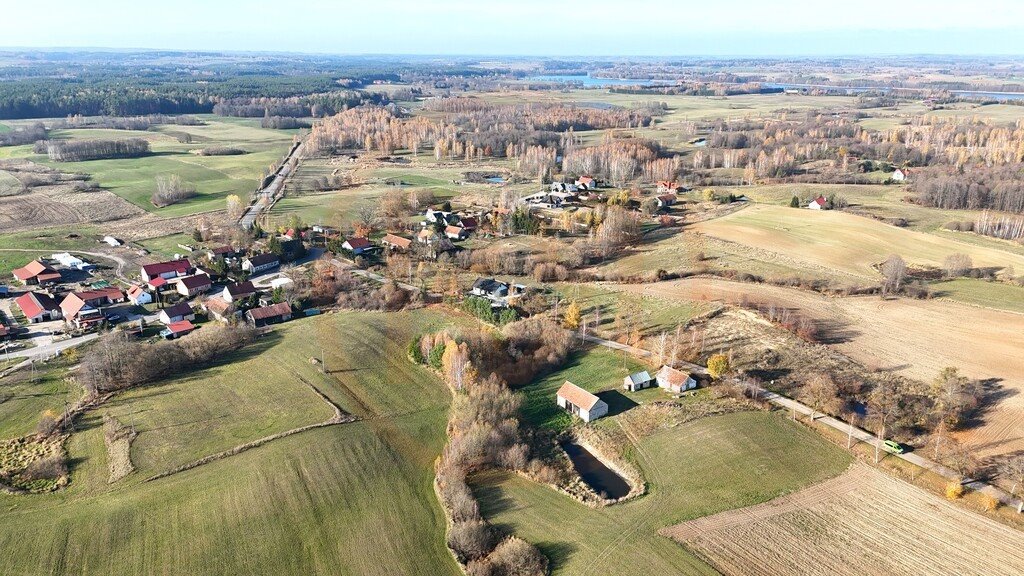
{"points": [[821, 393], [957, 265], [885, 404], [893, 271], [1013, 469]]}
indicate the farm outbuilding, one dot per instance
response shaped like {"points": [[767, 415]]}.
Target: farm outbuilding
{"points": [[579, 402], [637, 381], [675, 380]]}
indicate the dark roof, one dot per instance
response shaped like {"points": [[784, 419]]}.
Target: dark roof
{"points": [[179, 309], [221, 250], [241, 289], [488, 284], [272, 311], [639, 377], [176, 266], [197, 281], [263, 259]]}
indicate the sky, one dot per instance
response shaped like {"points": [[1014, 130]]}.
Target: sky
{"points": [[526, 27]]}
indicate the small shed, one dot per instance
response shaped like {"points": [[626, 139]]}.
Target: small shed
{"points": [[579, 402], [637, 381]]}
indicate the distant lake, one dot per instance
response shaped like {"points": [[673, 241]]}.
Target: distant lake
{"points": [[591, 81]]}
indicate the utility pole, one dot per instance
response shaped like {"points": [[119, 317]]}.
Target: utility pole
{"points": [[323, 360]]}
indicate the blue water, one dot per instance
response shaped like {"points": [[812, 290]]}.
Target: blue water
{"points": [[495, 180], [591, 82]]}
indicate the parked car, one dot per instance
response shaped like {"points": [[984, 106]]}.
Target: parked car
{"points": [[893, 446], [114, 319]]}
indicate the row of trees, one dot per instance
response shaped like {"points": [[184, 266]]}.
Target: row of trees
{"points": [[82, 150]]}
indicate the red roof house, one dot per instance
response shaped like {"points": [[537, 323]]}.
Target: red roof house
{"points": [[35, 272], [167, 270], [37, 306]]}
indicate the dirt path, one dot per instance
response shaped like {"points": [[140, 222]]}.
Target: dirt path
{"points": [[916, 338]]}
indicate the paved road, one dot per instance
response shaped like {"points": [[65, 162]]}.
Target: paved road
{"points": [[272, 191], [858, 433]]}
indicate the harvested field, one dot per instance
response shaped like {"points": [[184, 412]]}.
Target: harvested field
{"points": [[916, 338], [842, 241], [863, 522], [59, 205]]}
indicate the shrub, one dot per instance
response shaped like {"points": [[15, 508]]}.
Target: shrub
{"points": [[990, 503], [471, 539], [434, 359], [46, 468], [171, 190], [718, 364], [954, 490], [415, 353]]}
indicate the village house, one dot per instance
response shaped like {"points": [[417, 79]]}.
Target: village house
{"points": [[37, 273], [426, 236], [84, 309], [455, 233], [191, 285], [469, 223], [638, 381], [900, 175], [494, 290], [219, 309], [438, 216], [260, 263], [668, 187], [273, 314], [138, 295], [111, 241], [563, 187], [818, 203], [666, 200], [238, 291], [586, 183], [225, 252], [178, 312], [579, 402], [166, 270], [675, 380], [177, 329], [38, 307], [395, 242], [357, 245]]}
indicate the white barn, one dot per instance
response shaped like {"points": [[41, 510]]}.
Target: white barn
{"points": [[637, 381], [579, 402], [675, 380]]}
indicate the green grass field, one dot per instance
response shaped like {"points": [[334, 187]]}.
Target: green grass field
{"points": [[596, 369], [23, 398], [702, 467], [982, 293], [656, 314], [215, 177], [43, 241], [167, 246], [349, 499]]}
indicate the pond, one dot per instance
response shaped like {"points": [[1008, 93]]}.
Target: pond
{"points": [[601, 478], [495, 180]]}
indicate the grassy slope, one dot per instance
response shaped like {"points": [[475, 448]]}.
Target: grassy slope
{"points": [[981, 293], [214, 176], [843, 241], [350, 499], [23, 400], [700, 468], [50, 240]]}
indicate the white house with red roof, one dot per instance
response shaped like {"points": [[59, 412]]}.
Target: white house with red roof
{"points": [[579, 402], [818, 203], [38, 307], [674, 380], [357, 245], [138, 295]]}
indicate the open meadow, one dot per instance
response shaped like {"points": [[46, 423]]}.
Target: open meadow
{"points": [[862, 522], [356, 497], [698, 468]]}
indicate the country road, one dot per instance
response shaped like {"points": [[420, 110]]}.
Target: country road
{"points": [[271, 193], [858, 433]]}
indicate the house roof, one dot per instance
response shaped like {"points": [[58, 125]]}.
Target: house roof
{"points": [[585, 179], [177, 266], [279, 309], [218, 305], [357, 242], [134, 291], [396, 240], [488, 284], [578, 396], [241, 289], [71, 305], [36, 269], [426, 233], [453, 230], [672, 376], [263, 259], [180, 327], [34, 304], [157, 282], [221, 250], [194, 282], [667, 197], [469, 223], [109, 292], [638, 377], [179, 309]]}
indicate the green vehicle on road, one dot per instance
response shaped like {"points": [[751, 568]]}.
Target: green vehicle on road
{"points": [[893, 447]]}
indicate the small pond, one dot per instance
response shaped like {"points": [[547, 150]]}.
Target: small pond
{"points": [[495, 180], [601, 478]]}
